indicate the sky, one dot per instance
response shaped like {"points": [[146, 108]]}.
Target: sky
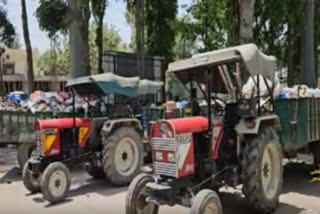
{"points": [[114, 15]]}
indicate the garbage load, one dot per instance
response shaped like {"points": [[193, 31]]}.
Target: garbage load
{"points": [[40, 101]]}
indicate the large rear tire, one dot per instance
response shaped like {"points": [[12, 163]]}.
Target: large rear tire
{"points": [[30, 180], [206, 202], [24, 152], [55, 182], [122, 156], [262, 170], [136, 197]]}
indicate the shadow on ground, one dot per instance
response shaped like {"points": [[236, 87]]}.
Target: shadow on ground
{"points": [[85, 188], [232, 202], [12, 175], [297, 179]]}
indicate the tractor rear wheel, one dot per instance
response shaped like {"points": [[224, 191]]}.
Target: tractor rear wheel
{"points": [[30, 180], [207, 202], [262, 170], [122, 155], [24, 152], [55, 182], [136, 197]]}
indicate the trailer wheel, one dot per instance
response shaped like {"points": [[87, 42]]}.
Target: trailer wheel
{"points": [[262, 170], [122, 156], [206, 201], [24, 152], [55, 182], [316, 154], [30, 180], [136, 197]]}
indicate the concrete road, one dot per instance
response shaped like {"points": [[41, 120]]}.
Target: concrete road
{"points": [[90, 196]]}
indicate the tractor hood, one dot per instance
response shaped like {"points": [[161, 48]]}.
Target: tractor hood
{"points": [[64, 123]]}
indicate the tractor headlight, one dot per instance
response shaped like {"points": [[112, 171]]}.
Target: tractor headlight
{"points": [[159, 156], [171, 157], [163, 128]]}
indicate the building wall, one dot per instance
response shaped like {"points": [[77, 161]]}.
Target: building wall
{"points": [[19, 58]]}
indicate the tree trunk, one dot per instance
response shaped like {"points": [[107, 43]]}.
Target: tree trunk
{"points": [[307, 58], [290, 55], [246, 12], [99, 42], [99, 34], [79, 38], [24, 16], [140, 37]]}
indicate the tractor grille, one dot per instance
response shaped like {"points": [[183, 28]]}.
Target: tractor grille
{"points": [[163, 144], [163, 168], [167, 169]]}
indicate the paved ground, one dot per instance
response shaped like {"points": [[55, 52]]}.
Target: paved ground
{"points": [[97, 197]]}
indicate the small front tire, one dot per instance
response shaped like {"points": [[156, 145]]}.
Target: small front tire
{"points": [[55, 182], [136, 197], [206, 202], [30, 180]]}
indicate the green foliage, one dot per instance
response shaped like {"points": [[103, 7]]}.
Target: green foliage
{"points": [[159, 19], [51, 15], [7, 30], [98, 8], [185, 45]]}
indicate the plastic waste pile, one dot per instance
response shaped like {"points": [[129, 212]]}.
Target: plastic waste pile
{"points": [[281, 90], [40, 101]]}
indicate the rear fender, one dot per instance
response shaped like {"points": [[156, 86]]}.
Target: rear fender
{"points": [[111, 125], [269, 120]]}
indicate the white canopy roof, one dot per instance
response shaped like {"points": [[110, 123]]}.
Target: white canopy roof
{"points": [[255, 61]]}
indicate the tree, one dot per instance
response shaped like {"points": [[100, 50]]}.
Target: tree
{"points": [[98, 12], [27, 41], [57, 59], [72, 15], [308, 75], [159, 21]]}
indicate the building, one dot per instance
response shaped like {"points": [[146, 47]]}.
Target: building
{"points": [[14, 72]]}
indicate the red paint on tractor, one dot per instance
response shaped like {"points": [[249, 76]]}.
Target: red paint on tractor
{"points": [[64, 123], [182, 125]]}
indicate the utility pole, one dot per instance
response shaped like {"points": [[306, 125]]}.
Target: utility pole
{"points": [[140, 37]]}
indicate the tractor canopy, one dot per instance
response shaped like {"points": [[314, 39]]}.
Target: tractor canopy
{"points": [[108, 83], [255, 62]]}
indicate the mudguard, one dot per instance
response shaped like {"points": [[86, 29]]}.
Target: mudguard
{"points": [[241, 128]]}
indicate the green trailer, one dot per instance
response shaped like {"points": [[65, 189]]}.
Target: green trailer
{"points": [[16, 127], [299, 125]]}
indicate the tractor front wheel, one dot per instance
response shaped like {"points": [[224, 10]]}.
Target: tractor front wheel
{"points": [[262, 170], [136, 197], [122, 155], [55, 182], [31, 180], [206, 201]]}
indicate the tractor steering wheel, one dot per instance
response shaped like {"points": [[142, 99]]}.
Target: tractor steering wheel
{"points": [[219, 105]]}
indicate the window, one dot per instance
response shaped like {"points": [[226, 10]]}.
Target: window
{"points": [[8, 68]]}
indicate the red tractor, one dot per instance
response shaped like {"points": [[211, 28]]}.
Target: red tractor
{"points": [[229, 140], [109, 141]]}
